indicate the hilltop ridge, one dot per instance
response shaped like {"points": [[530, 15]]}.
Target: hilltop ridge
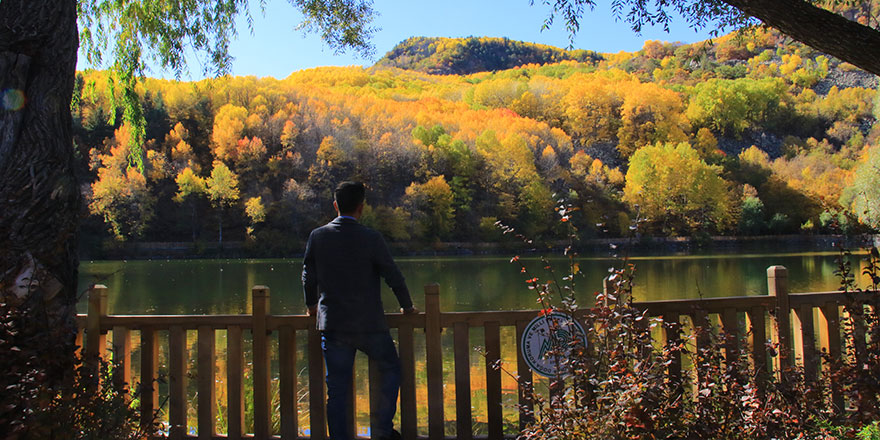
{"points": [[463, 56]]}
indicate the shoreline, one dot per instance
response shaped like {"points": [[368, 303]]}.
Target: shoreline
{"points": [[646, 245]]}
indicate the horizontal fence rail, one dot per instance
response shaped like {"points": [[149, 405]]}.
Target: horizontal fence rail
{"points": [[272, 381]]}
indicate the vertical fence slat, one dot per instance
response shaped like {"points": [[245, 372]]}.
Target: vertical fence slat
{"points": [[856, 315], [261, 361], [806, 340], [493, 381], [287, 385], [352, 403], [375, 387], [869, 399], [829, 339], [702, 328], [176, 382], [758, 330], [730, 325], [408, 417], [777, 286], [79, 343], [524, 385], [642, 326], [121, 357], [317, 423], [462, 349], [206, 361], [434, 354], [672, 331], [149, 396], [96, 341], [234, 383], [608, 289]]}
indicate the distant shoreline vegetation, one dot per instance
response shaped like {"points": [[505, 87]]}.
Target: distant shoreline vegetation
{"points": [[746, 135], [589, 248]]}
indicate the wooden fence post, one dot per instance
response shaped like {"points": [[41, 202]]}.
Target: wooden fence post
{"points": [[608, 289], [805, 341], [434, 360], [494, 411], [261, 362], [96, 342], [287, 382], [177, 363], [757, 329], [206, 386], [121, 357], [234, 383], [317, 394], [408, 410], [149, 395], [829, 338], [777, 285]]}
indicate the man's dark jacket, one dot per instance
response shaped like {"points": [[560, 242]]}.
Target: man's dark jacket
{"points": [[341, 270]]}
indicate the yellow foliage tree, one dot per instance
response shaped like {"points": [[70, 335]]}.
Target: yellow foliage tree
{"points": [[222, 190], [123, 200], [432, 203], [229, 124], [120, 194], [649, 114], [189, 187], [592, 109], [677, 190], [864, 194]]}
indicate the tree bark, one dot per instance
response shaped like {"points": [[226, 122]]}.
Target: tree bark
{"points": [[39, 197], [819, 28], [192, 204], [220, 218]]}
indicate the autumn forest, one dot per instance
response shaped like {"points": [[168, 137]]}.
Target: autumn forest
{"points": [[747, 134]]}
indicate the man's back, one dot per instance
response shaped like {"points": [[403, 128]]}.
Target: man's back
{"points": [[341, 270]]}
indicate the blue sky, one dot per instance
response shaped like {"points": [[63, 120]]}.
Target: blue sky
{"points": [[276, 49]]}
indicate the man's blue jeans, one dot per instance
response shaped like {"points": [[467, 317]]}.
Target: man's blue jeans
{"points": [[339, 350]]}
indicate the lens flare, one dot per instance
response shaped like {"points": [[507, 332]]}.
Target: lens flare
{"points": [[12, 99]]}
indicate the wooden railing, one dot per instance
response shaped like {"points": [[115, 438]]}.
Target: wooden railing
{"points": [[811, 323]]}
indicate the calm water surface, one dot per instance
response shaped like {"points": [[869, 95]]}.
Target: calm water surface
{"points": [[467, 283]]}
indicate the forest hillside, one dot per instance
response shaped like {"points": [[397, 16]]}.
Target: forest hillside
{"points": [[743, 135]]}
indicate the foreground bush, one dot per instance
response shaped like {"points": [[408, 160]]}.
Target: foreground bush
{"points": [[38, 401], [625, 385]]}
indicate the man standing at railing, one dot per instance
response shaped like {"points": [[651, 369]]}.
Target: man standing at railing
{"points": [[341, 270]]}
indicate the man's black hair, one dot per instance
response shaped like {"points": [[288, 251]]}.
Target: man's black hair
{"points": [[349, 195]]}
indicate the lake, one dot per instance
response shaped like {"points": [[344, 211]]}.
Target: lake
{"points": [[466, 283]]}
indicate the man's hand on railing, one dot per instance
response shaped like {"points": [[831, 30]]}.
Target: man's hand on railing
{"points": [[410, 311], [313, 310]]}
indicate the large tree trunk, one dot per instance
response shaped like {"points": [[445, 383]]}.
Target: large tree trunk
{"points": [[39, 195], [823, 30]]}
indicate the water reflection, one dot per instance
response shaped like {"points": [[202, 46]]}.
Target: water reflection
{"points": [[467, 283]]}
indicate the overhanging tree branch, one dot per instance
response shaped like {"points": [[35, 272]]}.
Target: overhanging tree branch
{"points": [[819, 28], [814, 26]]}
